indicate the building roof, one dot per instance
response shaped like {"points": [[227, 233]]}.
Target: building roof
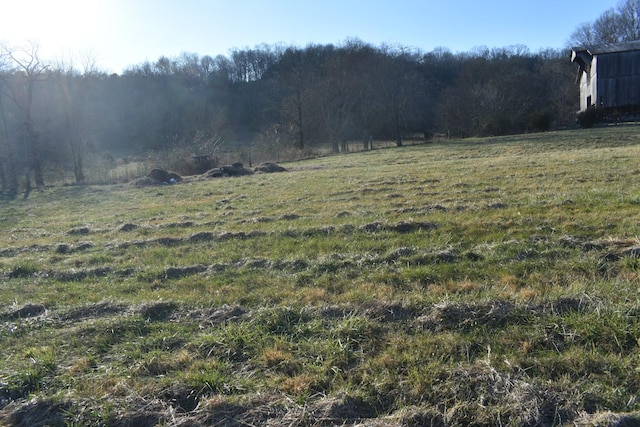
{"points": [[609, 48]]}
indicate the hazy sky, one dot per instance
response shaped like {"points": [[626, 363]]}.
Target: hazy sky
{"points": [[120, 33]]}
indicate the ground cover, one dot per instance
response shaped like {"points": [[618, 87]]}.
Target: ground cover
{"points": [[476, 282]]}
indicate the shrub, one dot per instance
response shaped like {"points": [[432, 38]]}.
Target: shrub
{"points": [[590, 117], [541, 121], [499, 124]]}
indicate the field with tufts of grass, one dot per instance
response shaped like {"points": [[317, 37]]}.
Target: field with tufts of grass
{"points": [[475, 282]]}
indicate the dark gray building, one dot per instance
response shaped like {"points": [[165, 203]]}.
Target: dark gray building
{"points": [[609, 76]]}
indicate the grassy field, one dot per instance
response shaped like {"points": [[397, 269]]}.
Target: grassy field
{"points": [[476, 282]]}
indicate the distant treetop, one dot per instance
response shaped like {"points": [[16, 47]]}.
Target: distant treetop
{"points": [[616, 25]]}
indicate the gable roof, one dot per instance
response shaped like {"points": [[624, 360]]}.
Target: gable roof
{"points": [[609, 48]]}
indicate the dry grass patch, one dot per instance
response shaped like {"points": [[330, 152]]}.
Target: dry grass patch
{"points": [[486, 281]]}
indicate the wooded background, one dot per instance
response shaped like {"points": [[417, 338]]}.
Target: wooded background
{"points": [[285, 100]]}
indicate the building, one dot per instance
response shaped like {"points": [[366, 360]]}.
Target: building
{"points": [[609, 76]]}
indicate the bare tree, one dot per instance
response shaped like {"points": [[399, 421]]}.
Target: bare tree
{"points": [[608, 27], [336, 94], [398, 88], [629, 11], [583, 35], [8, 171], [72, 101], [76, 91], [297, 72], [615, 25], [27, 70]]}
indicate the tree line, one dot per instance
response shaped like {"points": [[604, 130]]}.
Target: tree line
{"points": [[267, 99]]}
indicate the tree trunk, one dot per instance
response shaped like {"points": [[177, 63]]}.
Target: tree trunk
{"points": [[76, 152], [35, 161], [301, 141], [27, 181], [11, 174], [398, 133], [367, 141], [32, 141], [77, 170], [38, 175], [3, 177], [335, 146]]}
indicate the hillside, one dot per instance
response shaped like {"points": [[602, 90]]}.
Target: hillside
{"points": [[473, 282]]}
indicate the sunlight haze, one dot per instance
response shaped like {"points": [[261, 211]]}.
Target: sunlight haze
{"points": [[120, 33]]}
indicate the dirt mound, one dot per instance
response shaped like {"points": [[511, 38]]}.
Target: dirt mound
{"points": [[64, 248], [269, 167], [608, 419], [400, 227], [514, 398], [163, 176], [126, 227], [388, 311], [157, 176], [157, 311], [37, 412], [461, 316], [74, 275], [278, 411], [27, 311], [527, 403], [92, 311], [178, 272], [79, 231], [236, 169], [341, 410], [202, 236]]}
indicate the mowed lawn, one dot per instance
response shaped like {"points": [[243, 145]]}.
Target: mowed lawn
{"points": [[475, 282]]}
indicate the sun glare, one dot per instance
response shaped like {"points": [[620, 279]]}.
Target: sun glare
{"points": [[58, 27]]}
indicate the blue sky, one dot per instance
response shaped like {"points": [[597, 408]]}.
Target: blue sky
{"points": [[119, 33]]}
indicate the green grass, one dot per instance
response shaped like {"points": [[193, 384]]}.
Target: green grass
{"points": [[485, 281]]}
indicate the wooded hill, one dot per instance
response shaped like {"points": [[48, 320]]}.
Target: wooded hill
{"points": [[285, 98]]}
